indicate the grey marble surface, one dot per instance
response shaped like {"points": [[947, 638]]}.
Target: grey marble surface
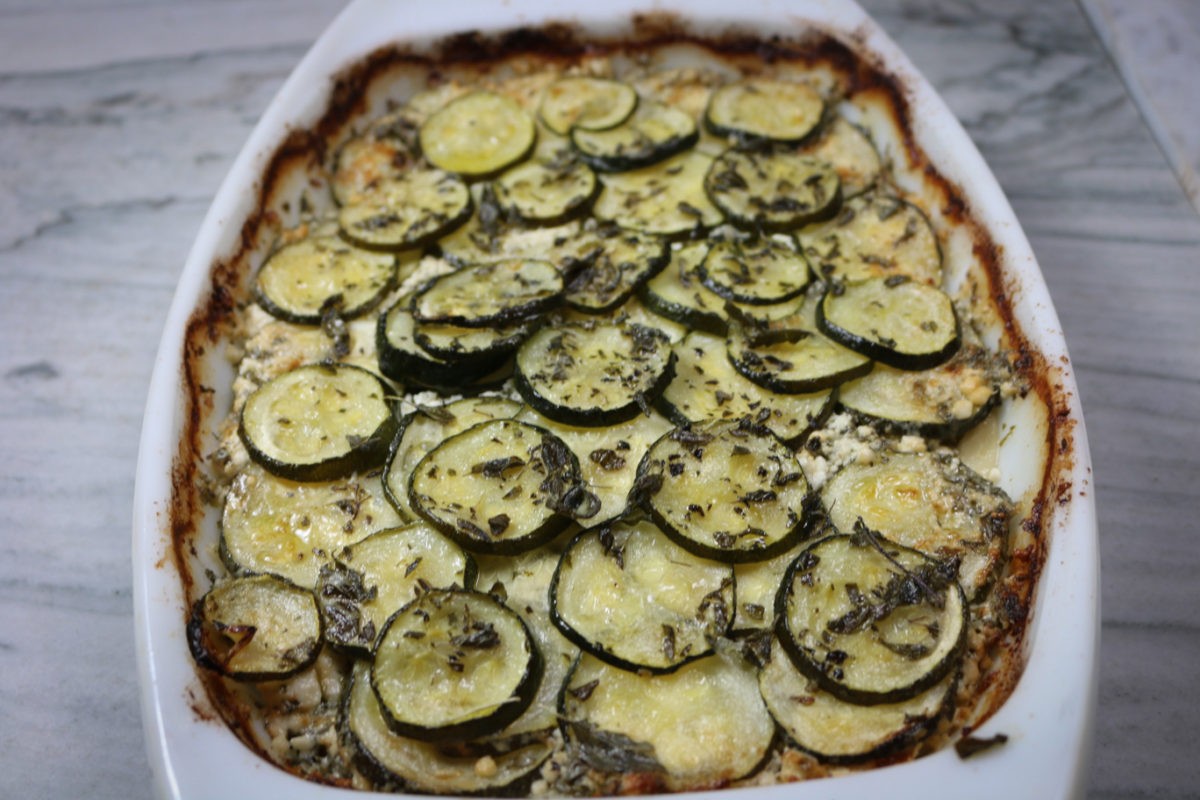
{"points": [[118, 119]]}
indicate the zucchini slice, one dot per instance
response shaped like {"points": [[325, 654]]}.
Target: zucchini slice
{"points": [[401, 358], [930, 502], [846, 148], [426, 428], [761, 272], [499, 487], [875, 235], [370, 580], [255, 628], [593, 372], [653, 132], [678, 294], [454, 664], [729, 491], [702, 726], [590, 104], [386, 150], [773, 191], [608, 456], [706, 386], [487, 766], [406, 211], [900, 322], [631, 597], [794, 360], [478, 135], [547, 191], [870, 621], [455, 343], [301, 281], [612, 270], [942, 403], [838, 732], [319, 422], [760, 109], [491, 294], [665, 199]]}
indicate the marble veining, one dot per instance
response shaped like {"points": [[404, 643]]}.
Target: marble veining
{"points": [[119, 119]]}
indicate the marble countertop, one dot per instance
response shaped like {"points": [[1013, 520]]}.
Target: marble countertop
{"points": [[118, 120]]}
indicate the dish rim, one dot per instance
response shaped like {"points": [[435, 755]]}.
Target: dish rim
{"points": [[1048, 715]]}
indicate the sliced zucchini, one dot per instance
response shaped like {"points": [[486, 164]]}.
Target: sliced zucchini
{"points": [[838, 732], [547, 191], [942, 403], [794, 360], [761, 109], [304, 280], [706, 386], [729, 491], [773, 190], [611, 271], [498, 487], [631, 597], [490, 236], [665, 199], [255, 628], [487, 766], [702, 726], [678, 294], [845, 147], [401, 358], [652, 133], [491, 294], [370, 580], [590, 104], [478, 134], [900, 322], [269, 524], [456, 343], [319, 422], [385, 150], [930, 502], [761, 272], [870, 621], [425, 429], [875, 235], [454, 664], [406, 211], [593, 372], [608, 456]]}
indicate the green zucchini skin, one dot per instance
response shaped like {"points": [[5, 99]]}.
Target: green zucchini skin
{"points": [[402, 359]]}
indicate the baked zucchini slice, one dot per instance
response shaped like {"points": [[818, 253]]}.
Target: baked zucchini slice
{"points": [[406, 211], [290, 529], [653, 132], [454, 664], [758, 272], [478, 134], [706, 386], [631, 597], [386, 150], [701, 726], [255, 628], [426, 428], [897, 321], [491, 294], [870, 621], [760, 109], [930, 502], [486, 766], [499, 487], [875, 235], [319, 422], [666, 199], [609, 272], [729, 491], [304, 280], [401, 358], [838, 732], [586, 103], [593, 372], [547, 191], [793, 360], [678, 294], [367, 582], [772, 191], [846, 148]]}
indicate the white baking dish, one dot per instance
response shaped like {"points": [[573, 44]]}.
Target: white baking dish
{"points": [[1047, 718]]}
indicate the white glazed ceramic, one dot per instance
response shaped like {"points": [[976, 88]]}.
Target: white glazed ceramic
{"points": [[1048, 717]]}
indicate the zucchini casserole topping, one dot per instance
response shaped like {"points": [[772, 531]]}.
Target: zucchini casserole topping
{"points": [[608, 434]]}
